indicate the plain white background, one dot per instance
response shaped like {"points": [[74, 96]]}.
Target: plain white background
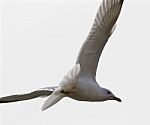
{"points": [[40, 43]]}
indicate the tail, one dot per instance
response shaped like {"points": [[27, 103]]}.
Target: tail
{"points": [[56, 96], [21, 97]]}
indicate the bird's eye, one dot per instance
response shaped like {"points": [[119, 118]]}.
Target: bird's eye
{"points": [[108, 92]]}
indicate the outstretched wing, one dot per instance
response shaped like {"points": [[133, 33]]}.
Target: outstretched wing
{"points": [[38, 93], [101, 30]]}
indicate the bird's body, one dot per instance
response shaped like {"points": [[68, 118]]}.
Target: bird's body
{"points": [[85, 91], [80, 82]]}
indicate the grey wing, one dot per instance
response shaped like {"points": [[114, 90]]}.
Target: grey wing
{"points": [[101, 30], [20, 97]]}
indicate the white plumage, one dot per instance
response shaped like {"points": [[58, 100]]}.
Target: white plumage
{"points": [[80, 83], [66, 86], [70, 78]]}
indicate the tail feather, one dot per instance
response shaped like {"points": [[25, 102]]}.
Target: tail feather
{"points": [[21, 97]]}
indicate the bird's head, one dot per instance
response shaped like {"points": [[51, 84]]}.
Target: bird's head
{"points": [[108, 95]]}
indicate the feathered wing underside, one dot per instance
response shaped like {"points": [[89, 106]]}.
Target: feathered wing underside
{"points": [[70, 78], [101, 30], [21, 97], [53, 99], [66, 86]]}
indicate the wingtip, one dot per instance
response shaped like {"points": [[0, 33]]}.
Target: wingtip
{"points": [[43, 109], [45, 106]]}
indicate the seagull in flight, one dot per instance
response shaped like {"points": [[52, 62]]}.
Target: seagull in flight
{"points": [[80, 82]]}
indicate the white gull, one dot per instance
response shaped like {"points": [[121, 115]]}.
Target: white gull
{"points": [[80, 82]]}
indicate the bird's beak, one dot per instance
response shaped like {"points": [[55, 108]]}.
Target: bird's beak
{"points": [[117, 99]]}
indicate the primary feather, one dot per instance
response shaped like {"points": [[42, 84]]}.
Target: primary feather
{"points": [[20, 97], [53, 98]]}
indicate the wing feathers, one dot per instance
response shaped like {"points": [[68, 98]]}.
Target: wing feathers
{"points": [[53, 99], [101, 30], [66, 86], [70, 78], [20, 97]]}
